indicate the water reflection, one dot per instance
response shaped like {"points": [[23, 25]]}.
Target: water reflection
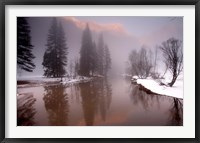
{"points": [[74, 92], [89, 101], [25, 109], [56, 103], [96, 97], [171, 107], [176, 111], [90, 104], [140, 97]]}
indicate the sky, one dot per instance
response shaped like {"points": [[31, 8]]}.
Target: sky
{"points": [[122, 34]]}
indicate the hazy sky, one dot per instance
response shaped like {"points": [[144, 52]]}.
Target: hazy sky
{"points": [[121, 34]]}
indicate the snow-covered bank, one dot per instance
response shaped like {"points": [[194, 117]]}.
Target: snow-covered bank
{"points": [[39, 81], [175, 91], [79, 79]]}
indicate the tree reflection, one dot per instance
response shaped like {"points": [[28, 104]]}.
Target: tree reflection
{"points": [[56, 104], [140, 97], [89, 101], [96, 97], [149, 101], [105, 97], [25, 110], [176, 112], [75, 93]]}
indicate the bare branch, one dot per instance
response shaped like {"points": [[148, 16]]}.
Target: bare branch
{"points": [[173, 57]]}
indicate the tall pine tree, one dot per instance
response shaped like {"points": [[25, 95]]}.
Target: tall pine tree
{"points": [[100, 48], [104, 59], [62, 52], [55, 56], [86, 53], [24, 47], [107, 60], [94, 62]]}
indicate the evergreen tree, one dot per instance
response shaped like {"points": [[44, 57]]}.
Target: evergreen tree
{"points": [[62, 52], [55, 56], [86, 53], [49, 62], [94, 61], [24, 46], [104, 59], [100, 48], [107, 65], [76, 68]]}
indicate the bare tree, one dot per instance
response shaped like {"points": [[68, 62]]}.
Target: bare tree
{"points": [[166, 68], [141, 62], [173, 57]]}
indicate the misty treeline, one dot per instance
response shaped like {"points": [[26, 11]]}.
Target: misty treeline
{"points": [[143, 63], [140, 62], [94, 58]]}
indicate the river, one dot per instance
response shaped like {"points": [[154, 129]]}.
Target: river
{"points": [[102, 102]]}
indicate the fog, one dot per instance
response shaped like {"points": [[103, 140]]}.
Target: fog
{"points": [[121, 34]]}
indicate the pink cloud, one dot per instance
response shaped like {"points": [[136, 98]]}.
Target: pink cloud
{"points": [[112, 27]]}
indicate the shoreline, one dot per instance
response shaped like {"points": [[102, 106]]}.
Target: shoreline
{"points": [[52, 81], [154, 87], [148, 91]]}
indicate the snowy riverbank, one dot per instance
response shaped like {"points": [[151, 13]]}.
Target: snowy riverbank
{"points": [[154, 85], [39, 81]]}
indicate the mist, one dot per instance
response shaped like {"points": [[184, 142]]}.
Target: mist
{"points": [[121, 34]]}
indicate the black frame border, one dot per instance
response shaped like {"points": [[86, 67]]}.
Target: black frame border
{"points": [[3, 4]]}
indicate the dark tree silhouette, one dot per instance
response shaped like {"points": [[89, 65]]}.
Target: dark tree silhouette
{"points": [[173, 57], [24, 47], [86, 53], [62, 52], [55, 56]]}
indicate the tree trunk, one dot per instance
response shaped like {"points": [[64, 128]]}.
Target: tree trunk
{"points": [[173, 81]]}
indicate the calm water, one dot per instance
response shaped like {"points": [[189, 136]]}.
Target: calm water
{"points": [[112, 102]]}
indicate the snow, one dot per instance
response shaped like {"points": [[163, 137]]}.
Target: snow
{"points": [[38, 81], [175, 91], [76, 80], [37, 78]]}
